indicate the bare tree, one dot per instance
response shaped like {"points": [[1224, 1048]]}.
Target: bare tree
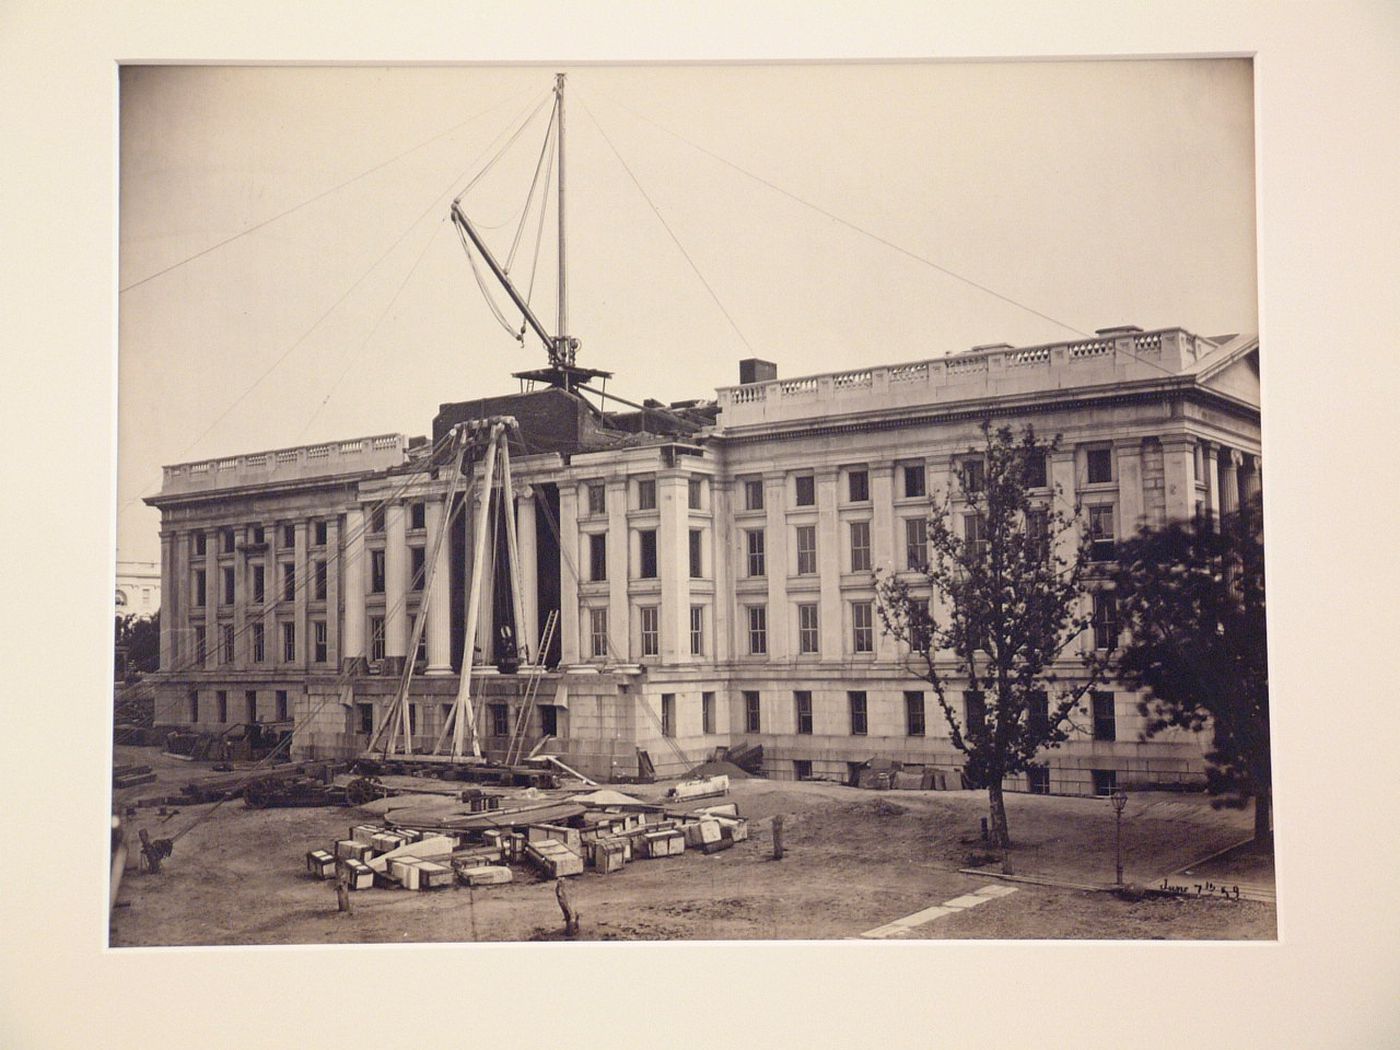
{"points": [[1008, 573]]}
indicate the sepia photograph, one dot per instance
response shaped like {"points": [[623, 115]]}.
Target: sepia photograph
{"points": [[689, 502]]}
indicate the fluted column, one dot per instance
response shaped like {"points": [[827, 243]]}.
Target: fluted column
{"points": [[529, 570], [169, 592], [569, 639], [439, 595], [1232, 461], [395, 582], [1212, 462], [1249, 478], [352, 575]]}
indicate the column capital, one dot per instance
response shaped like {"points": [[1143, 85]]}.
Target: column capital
{"points": [[524, 491], [1236, 457]]}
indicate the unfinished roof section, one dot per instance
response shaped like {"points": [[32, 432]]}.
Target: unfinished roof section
{"points": [[285, 465]]}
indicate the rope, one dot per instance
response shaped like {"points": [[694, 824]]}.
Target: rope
{"points": [[534, 181], [647, 197]]}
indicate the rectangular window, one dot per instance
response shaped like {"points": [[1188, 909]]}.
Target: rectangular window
{"points": [[226, 644], [418, 516], [366, 713], [808, 639], [1100, 464], [201, 544], [319, 568], [289, 642], [802, 700], [1105, 621], [860, 546], [194, 705], [974, 711], [1101, 533], [283, 715], [417, 568], [228, 585], [697, 560], [259, 644], [597, 499], [1037, 475], [754, 541], [420, 652], [707, 713], [376, 572], [862, 627], [289, 582], [319, 532], [858, 486], [200, 588], [693, 493], [758, 630], [975, 535], [201, 644], [1038, 780], [753, 722], [597, 556], [1105, 720], [1037, 715], [974, 475], [806, 490], [221, 699], [259, 584], [598, 632], [646, 494], [250, 705], [668, 714], [500, 719], [318, 641], [753, 495], [806, 550], [859, 721], [647, 549], [697, 630], [914, 481], [376, 519], [913, 713], [289, 535], [1038, 533], [802, 768], [226, 541], [650, 633], [1105, 782], [915, 544], [376, 637], [259, 535], [412, 719]]}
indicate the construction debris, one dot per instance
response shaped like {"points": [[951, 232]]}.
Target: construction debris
{"points": [[709, 787]]}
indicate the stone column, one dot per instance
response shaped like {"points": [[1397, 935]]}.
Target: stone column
{"points": [[529, 633], [352, 574], [776, 558], [439, 596], [395, 582], [1250, 478], [213, 585], [721, 640], [1062, 483], [170, 610], [304, 591], [486, 612], [673, 566], [1212, 462], [882, 542], [829, 562], [1233, 460], [1131, 512], [569, 638], [242, 643], [619, 568], [1179, 485], [332, 592]]}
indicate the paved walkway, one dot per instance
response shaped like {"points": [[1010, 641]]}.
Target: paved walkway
{"points": [[900, 927]]}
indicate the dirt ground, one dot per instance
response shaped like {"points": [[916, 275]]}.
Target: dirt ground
{"points": [[854, 861]]}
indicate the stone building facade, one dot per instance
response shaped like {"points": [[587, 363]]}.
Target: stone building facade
{"points": [[711, 566]]}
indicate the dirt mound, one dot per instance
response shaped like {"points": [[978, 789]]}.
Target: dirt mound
{"points": [[713, 769]]}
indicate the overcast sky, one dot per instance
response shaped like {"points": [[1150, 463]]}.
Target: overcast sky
{"points": [[1096, 194]]}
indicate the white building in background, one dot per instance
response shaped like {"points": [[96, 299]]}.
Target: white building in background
{"points": [[138, 588], [713, 575]]}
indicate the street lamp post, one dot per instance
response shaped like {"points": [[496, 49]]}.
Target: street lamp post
{"points": [[1119, 798]]}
